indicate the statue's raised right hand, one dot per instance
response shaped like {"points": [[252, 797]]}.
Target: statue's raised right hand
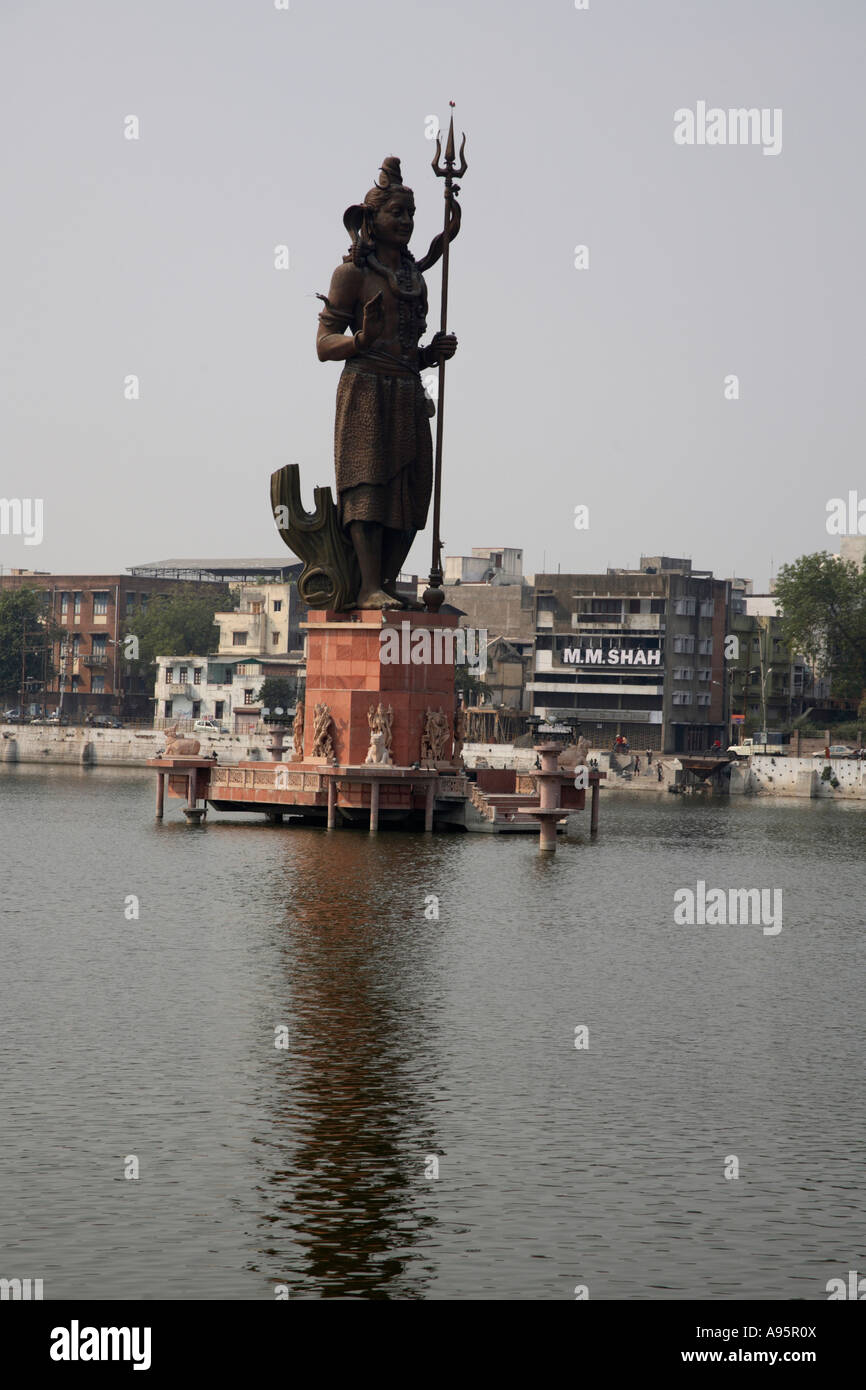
{"points": [[374, 321]]}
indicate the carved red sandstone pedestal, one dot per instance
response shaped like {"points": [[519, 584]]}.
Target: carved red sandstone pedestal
{"points": [[351, 665]]}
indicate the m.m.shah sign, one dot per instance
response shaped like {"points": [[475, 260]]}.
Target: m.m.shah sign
{"points": [[612, 656]]}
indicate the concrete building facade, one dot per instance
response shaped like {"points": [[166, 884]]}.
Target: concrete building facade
{"points": [[634, 652]]}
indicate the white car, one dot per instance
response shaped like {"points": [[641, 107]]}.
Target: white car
{"points": [[207, 726], [837, 750]]}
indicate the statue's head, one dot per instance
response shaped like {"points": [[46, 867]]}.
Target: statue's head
{"points": [[386, 217]]}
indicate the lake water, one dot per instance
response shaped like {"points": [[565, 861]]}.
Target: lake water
{"points": [[412, 1039]]}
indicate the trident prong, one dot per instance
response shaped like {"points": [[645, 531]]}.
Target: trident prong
{"points": [[449, 172]]}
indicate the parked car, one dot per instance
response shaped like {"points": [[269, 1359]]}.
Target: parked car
{"points": [[15, 716], [837, 750], [56, 718], [207, 726], [106, 721]]}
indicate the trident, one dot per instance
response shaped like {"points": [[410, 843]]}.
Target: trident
{"points": [[434, 596]]}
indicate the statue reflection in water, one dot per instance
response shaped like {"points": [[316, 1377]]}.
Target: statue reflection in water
{"points": [[349, 1207]]}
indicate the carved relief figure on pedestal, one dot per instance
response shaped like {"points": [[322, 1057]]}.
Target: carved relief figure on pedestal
{"points": [[323, 746], [298, 734], [380, 720], [436, 735]]}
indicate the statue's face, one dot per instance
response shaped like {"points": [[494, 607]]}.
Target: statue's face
{"points": [[395, 221]]}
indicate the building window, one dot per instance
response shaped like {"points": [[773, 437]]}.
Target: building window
{"points": [[196, 708], [142, 598], [76, 645], [100, 603], [183, 676], [275, 639], [97, 684], [76, 604], [218, 708], [130, 602], [703, 699], [98, 646], [76, 683], [684, 644], [169, 675], [684, 607], [705, 646], [239, 639], [683, 673], [704, 673], [657, 605], [681, 697], [278, 605], [64, 606], [248, 697], [168, 709], [196, 675], [708, 608]]}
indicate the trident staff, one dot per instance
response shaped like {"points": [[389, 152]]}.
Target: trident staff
{"points": [[434, 596]]}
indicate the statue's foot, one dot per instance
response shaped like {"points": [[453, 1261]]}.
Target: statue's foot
{"points": [[376, 598], [402, 600]]}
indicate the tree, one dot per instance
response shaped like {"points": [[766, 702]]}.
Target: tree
{"points": [[823, 602], [469, 685], [24, 629], [278, 693], [178, 624]]}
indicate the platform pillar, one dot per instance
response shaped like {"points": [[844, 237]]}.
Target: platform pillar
{"points": [[428, 807], [593, 810], [374, 807], [332, 802], [160, 794]]}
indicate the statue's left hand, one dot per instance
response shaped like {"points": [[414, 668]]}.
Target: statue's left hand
{"points": [[442, 348]]}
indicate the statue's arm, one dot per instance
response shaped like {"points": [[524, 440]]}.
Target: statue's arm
{"points": [[332, 345]]}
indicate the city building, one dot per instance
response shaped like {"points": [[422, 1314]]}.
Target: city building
{"points": [[638, 653], [85, 673], [769, 685], [486, 565], [493, 596], [259, 638]]}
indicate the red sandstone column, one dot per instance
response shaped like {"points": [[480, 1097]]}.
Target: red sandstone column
{"points": [[192, 788], [428, 807], [332, 802], [374, 806], [160, 794], [593, 812]]}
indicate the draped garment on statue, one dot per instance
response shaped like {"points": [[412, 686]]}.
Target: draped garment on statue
{"points": [[383, 450]]}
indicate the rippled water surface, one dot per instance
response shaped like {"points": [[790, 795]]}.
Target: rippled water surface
{"points": [[412, 1038]]}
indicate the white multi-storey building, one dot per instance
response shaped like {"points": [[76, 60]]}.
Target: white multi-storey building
{"points": [[253, 643]]}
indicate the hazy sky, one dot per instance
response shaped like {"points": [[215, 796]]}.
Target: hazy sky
{"points": [[602, 386]]}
